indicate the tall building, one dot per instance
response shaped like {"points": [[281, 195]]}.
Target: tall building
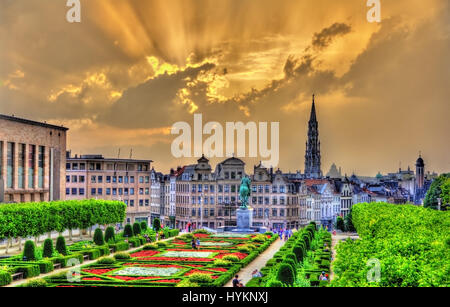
{"points": [[127, 180], [32, 160], [312, 156]]}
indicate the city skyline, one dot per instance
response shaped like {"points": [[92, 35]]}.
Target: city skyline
{"points": [[124, 75]]}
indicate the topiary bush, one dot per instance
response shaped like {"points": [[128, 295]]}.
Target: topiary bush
{"points": [[122, 256], [137, 229], [5, 278], [275, 284], [36, 283], [187, 284], [106, 260], [29, 252], [200, 278], [231, 258], [48, 248], [285, 274], [128, 231], [152, 246], [156, 224], [143, 226], [292, 263], [110, 237], [292, 256], [98, 237], [299, 252], [61, 245]]}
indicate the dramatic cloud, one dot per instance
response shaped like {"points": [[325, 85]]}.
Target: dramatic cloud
{"points": [[131, 69]]}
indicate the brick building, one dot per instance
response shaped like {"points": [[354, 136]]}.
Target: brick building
{"points": [[32, 160], [127, 180]]}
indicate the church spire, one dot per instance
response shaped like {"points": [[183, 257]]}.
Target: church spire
{"points": [[312, 156]]}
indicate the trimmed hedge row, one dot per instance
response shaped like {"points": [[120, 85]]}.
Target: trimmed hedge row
{"points": [[35, 219]]}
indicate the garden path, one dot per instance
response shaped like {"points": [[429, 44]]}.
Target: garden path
{"points": [[245, 274]]}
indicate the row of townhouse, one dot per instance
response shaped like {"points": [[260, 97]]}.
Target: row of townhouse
{"points": [[196, 196]]}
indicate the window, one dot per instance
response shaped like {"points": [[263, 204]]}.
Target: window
{"points": [[131, 191], [100, 191], [227, 175], [74, 178], [93, 191], [10, 165], [233, 189], [81, 179], [120, 179], [141, 179], [100, 179], [141, 202], [67, 191], [220, 188], [281, 212], [211, 188], [93, 179], [266, 189], [82, 166], [141, 191], [274, 212], [114, 191], [131, 179], [75, 166], [131, 202], [74, 191], [67, 164], [147, 202], [81, 191], [67, 179], [120, 191], [108, 191], [31, 162], [227, 188], [114, 179]]}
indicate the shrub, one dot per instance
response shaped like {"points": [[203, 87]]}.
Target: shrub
{"points": [[200, 278], [187, 284], [106, 260], [136, 229], [29, 252], [5, 278], [174, 232], [292, 263], [299, 252], [122, 256], [259, 238], [61, 245], [275, 284], [340, 223], [285, 274], [222, 263], [201, 231], [292, 256], [162, 244], [156, 224], [152, 246], [36, 283], [98, 237], [128, 231], [143, 226], [109, 235], [231, 258], [48, 248]]}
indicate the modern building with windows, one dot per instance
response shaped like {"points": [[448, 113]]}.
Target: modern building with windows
{"points": [[127, 180], [32, 160]]}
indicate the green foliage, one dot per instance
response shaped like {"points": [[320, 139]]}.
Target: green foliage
{"points": [[143, 226], [98, 237], [34, 219], [222, 263], [106, 260], [128, 231], [61, 245], [156, 224], [36, 283], [349, 222], [231, 258], [151, 246], [340, 224], [186, 283], [275, 284], [109, 235], [122, 256], [286, 274], [48, 248], [409, 242], [5, 278], [201, 231], [200, 278], [137, 229], [438, 189], [29, 252]]}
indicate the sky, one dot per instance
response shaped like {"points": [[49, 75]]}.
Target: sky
{"points": [[130, 70]]}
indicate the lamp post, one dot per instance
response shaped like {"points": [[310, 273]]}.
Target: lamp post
{"points": [[439, 204], [201, 209]]}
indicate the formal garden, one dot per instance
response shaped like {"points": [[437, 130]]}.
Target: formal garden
{"points": [[168, 263]]}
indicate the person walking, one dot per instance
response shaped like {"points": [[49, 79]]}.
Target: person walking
{"points": [[236, 281]]}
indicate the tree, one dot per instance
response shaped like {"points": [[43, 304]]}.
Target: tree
{"points": [[29, 252], [128, 231], [98, 237], [438, 189], [109, 234], [61, 245], [144, 226], [156, 224], [136, 228], [340, 224], [286, 274], [349, 223], [48, 248]]}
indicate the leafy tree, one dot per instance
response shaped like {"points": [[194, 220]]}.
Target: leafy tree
{"points": [[29, 252], [438, 189], [349, 223], [61, 245], [48, 248], [98, 237], [144, 226], [109, 234]]}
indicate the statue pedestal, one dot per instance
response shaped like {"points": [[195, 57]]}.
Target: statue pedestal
{"points": [[244, 220]]}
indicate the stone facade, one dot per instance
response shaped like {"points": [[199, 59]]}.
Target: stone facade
{"points": [[127, 180], [32, 160]]}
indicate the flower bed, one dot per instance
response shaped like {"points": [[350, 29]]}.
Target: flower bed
{"points": [[170, 264]]}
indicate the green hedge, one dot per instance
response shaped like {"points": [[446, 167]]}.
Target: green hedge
{"points": [[34, 219], [5, 278]]}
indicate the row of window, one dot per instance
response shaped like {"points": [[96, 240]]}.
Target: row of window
{"points": [[260, 213], [200, 188], [81, 166], [108, 191], [109, 179]]}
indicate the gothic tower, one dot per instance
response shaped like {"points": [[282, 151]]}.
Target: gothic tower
{"points": [[312, 156], [420, 172]]}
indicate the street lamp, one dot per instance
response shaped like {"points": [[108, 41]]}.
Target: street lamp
{"points": [[201, 209], [439, 204]]}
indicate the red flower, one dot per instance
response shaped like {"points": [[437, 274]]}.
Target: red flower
{"points": [[168, 280], [180, 259], [201, 235], [91, 278], [144, 254], [239, 255], [198, 271]]}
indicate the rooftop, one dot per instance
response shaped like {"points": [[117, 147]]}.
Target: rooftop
{"points": [[32, 122]]}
